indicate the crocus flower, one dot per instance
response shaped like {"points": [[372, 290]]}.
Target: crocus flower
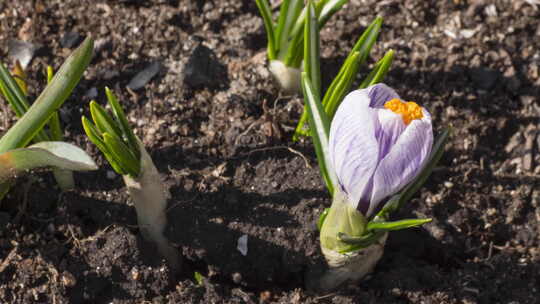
{"points": [[378, 144]]}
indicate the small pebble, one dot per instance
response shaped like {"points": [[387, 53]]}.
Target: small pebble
{"points": [[135, 273], [237, 278], [111, 174], [22, 51], [242, 245], [68, 279], [144, 76], [71, 40]]}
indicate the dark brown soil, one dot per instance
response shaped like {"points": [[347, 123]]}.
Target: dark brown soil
{"points": [[222, 140]]}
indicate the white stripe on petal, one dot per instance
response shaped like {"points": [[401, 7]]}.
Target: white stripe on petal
{"points": [[391, 127], [353, 147]]}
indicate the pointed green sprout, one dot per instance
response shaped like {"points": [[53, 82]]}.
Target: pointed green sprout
{"points": [[342, 83], [34, 118], [113, 136], [285, 36]]}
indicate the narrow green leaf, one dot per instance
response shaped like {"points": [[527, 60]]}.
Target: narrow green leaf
{"points": [[322, 217], [342, 86], [120, 117], [103, 120], [14, 88], [93, 134], [266, 13], [54, 123], [396, 225], [50, 99], [295, 52], [364, 44], [15, 91], [288, 14], [11, 97], [281, 23], [339, 87], [379, 71], [319, 122], [95, 137], [312, 55], [359, 242], [361, 51], [329, 9], [55, 128], [122, 154]]}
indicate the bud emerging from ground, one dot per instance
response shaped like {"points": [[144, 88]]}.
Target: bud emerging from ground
{"points": [[128, 157]]}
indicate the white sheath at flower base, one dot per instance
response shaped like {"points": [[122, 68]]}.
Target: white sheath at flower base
{"points": [[150, 200], [288, 78], [352, 265]]}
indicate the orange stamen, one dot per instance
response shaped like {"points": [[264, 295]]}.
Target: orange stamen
{"points": [[409, 111]]}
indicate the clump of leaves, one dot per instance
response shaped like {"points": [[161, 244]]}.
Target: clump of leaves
{"points": [[14, 158]]}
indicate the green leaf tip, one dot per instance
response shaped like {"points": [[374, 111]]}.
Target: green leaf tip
{"points": [[113, 136], [52, 97]]}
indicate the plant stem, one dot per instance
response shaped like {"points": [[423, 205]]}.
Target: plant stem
{"points": [[150, 200]]}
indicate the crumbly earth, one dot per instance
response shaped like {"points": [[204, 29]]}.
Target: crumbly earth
{"points": [[221, 137]]}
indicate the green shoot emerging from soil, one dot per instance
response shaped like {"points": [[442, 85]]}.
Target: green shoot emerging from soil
{"points": [[342, 83], [15, 90], [49, 152], [285, 37], [128, 157]]}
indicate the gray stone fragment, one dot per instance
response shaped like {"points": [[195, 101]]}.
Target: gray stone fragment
{"points": [[144, 76], [22, 51]]}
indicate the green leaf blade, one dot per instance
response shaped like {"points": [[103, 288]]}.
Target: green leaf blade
{"points": [[123, 124], [320, 124], [396, 225], [103, 121], [122, 154], [266, 13], [312, 55], [379, 71], [50, 99]]}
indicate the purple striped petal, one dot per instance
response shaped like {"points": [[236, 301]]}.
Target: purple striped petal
{"points": [[390, 128], [379, 94], [404, 160], [354, 148], [373, 151]]}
